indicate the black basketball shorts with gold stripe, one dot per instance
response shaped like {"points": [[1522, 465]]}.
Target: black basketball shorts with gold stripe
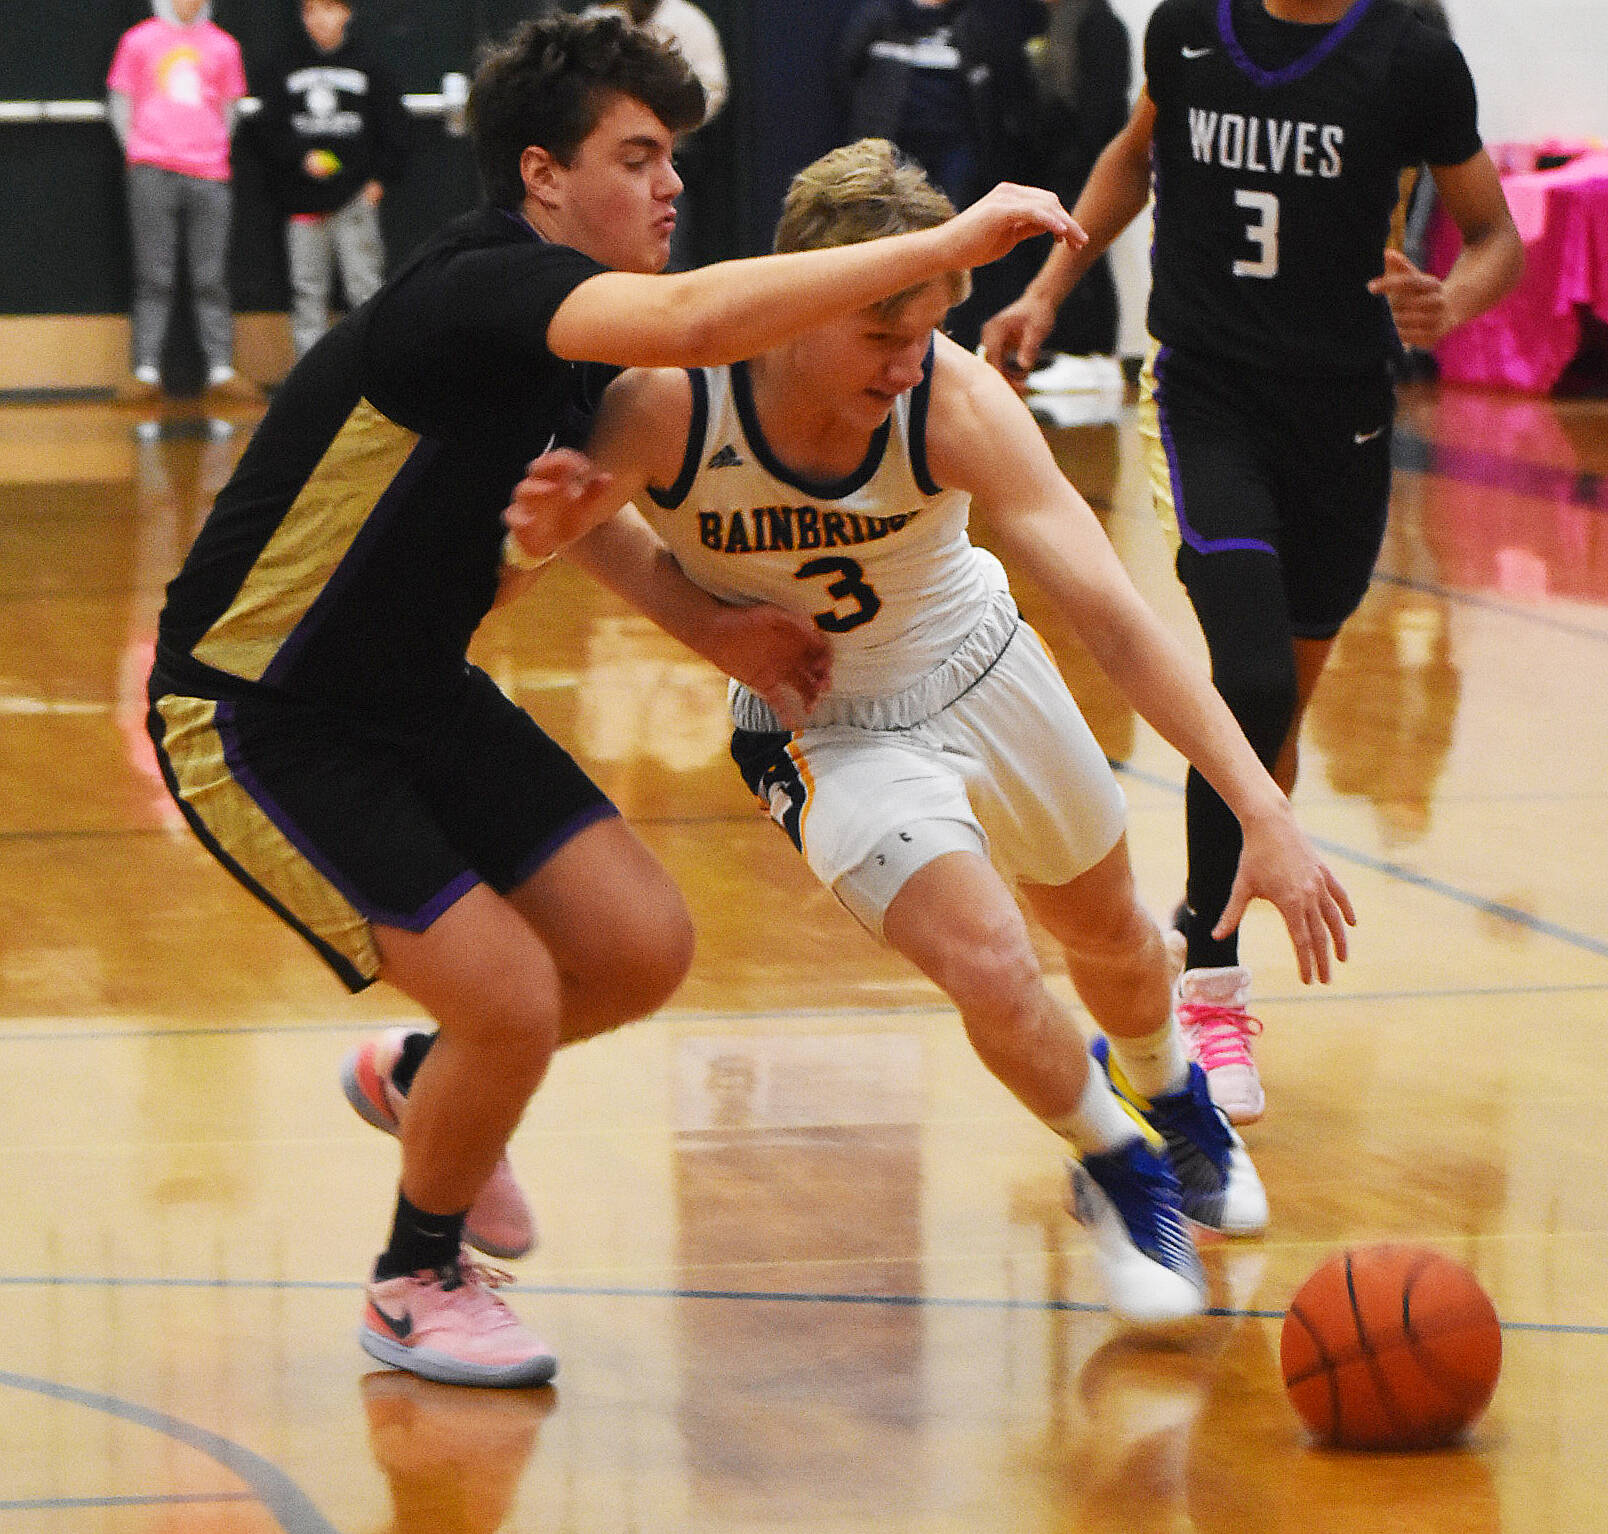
{"points": [[337, 822]]}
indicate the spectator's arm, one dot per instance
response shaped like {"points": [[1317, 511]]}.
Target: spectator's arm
{"points": [[119, 113], [393, 129], [270, 129]]}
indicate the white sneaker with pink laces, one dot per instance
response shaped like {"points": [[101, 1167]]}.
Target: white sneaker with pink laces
{"points": [[499, 1222], [446, 1324], [1217, 1033]]}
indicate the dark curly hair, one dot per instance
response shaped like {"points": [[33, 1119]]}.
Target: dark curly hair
{"points": [[551, 80]]}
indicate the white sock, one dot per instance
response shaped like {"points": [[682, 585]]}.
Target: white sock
{"points": [[1100, 1122], [1153, 1063]]}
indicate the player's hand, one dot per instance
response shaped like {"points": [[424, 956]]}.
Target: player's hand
{"points": [[1011, 340], [780, 655], [561, 498], [1278, 864], [1417, 302], [1000, 220]]}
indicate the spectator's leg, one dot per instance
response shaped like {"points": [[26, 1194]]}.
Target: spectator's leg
{"points": [[208, 208], [310, 254], [153, 218], [359, 249]]}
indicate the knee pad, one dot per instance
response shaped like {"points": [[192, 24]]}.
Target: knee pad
{"points": [[867, 889]]}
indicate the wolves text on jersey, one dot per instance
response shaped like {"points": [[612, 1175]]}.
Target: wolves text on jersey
{"points": [[1273, 146], [763, 529]]}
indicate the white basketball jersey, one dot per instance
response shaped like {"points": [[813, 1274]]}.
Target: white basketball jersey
{"points": [[880, 558]]}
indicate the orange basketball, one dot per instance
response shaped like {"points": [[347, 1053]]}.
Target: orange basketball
{"points": [[1390, 1347]]}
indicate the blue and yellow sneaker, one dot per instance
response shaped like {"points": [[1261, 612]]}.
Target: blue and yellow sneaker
{"points": [[1128, 1200], [1219, 1185]]}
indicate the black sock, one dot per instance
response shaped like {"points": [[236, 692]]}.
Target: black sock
{"points": [[419, 1241], [1203, 950], [1212, 835], [414, 1048]]}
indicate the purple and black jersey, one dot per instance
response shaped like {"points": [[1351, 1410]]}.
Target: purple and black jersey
{"points": [[1277, 156]]}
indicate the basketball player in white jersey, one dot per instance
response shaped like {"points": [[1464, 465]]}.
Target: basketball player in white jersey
{"points": [[833, 477]]}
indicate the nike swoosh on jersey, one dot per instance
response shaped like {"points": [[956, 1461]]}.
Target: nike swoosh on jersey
{"points": [[1360, 437], [400, 1327], [1196, 53]]}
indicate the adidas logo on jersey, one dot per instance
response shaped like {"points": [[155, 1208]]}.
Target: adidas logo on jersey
{"points": [[726, 458]]}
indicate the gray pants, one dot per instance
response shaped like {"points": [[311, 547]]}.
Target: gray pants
{"points": [[163, 207], [348, 238]]}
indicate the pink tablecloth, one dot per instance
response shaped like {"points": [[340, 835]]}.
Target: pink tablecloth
{"points": [[1528, 339]]}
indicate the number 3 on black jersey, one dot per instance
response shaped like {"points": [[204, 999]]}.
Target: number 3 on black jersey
{"points": [[850, 582], [1262, 232]]}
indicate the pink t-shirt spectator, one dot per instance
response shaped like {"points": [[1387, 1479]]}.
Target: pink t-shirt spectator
{"points": [[179, 82]]}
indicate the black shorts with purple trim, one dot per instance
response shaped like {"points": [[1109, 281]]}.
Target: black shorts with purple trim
{"points": [[1293, 466]]}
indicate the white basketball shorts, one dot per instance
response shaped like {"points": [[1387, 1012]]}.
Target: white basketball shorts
{"points": [[1008, 769]]}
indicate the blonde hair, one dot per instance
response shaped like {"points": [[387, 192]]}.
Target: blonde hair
{"points": [[863, 191]]}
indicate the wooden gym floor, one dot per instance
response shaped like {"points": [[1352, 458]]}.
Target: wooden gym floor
{"points": [[805, 1263]]}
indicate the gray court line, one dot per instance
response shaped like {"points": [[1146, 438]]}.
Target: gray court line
{"points": [[1314, 996], [1504, 609], [271, 1486], [1480, 903], [1393, 870], [751, 1296], [955, 1302], [57, 1504]]}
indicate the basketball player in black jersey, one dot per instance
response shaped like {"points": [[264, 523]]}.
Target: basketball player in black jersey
{"points": [[312, 705], [1272, 134]]}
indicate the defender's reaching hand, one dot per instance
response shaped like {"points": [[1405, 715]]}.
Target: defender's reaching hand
{"points": [[1278, 864], [561, 498]]}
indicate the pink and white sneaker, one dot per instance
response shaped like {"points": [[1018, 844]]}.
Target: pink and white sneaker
{"points": [[1217, 1032], [447, 1324], [499, 1222]]}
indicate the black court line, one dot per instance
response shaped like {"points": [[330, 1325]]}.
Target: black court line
{"points": [[270, 1486]]}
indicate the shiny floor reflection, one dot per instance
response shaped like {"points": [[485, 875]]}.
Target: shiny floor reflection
{"points": [[806, 1264]]}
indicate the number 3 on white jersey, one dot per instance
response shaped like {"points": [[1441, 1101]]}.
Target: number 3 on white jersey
{"points": [[1264, 234]]}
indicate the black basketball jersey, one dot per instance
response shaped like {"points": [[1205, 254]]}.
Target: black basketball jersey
{"points": [[358, 543], [1277, 155]]}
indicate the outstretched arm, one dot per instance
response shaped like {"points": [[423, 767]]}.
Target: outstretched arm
{"points": [[737, 309], [981, 438], [1114, 195]]}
